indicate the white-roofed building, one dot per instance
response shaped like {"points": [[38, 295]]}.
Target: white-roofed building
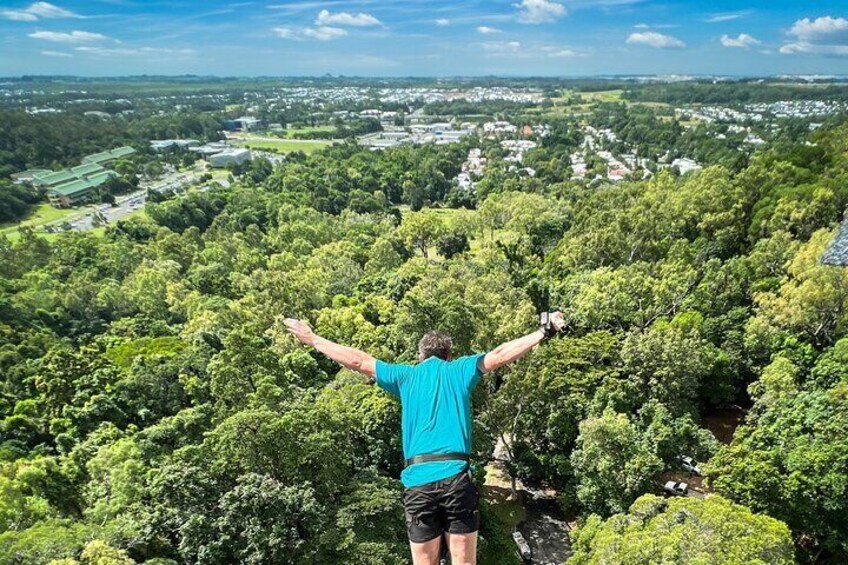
{"points": [[229, 157]]}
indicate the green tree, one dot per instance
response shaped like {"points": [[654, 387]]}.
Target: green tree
{"points": [[683, 531], [420, 230], [613, 464], [789, 458], [812, 301]]}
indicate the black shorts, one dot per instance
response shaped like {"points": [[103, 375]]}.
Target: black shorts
{"points": [[449, 505]]}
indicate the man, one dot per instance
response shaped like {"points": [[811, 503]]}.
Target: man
{"points": [[439, 496]]}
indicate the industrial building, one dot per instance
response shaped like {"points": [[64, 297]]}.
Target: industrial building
{"points": [[212, 148], [160, 145], [25, 177], [109, 156], [73, 186], [229, 157], [78, 191], [243, 123], [79, 184]]}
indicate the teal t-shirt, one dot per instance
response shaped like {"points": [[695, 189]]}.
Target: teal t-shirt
{"points": [[435, 398]]}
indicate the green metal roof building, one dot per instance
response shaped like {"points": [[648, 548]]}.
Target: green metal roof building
{"points": [[28, 175], [52, 178], [72, 186], [87, 170], [78, 190], [108, 156], [98, 158], [124, 151]]}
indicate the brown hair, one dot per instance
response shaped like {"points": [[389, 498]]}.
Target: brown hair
{"points": [[435, 344]]}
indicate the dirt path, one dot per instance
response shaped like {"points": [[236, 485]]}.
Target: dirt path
{"points": [[723, 422]]}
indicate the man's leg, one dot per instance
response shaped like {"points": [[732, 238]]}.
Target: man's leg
{"points": [[424, 524], [463, 548], [426, 553], [460, 503]]}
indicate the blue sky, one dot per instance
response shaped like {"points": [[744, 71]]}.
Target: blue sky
{"points": [[423, 37]]}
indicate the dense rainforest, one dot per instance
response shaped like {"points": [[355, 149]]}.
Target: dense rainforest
{"points": [[154, 410]]}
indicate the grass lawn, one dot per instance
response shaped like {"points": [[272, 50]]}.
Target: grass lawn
{"points": [[41, 214], [322, 129], [284, 145], [16, 235], [45, 214], [508, 512], [590, 99], [603, 95], [450, 216], [134, 214]]}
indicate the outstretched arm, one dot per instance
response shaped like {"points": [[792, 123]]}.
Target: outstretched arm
{"points": [[348, 357], [510, 351]]}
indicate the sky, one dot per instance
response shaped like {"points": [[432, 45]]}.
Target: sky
{"points": [[424, 37]]}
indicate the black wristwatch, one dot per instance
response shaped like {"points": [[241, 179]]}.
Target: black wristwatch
{"points": [[547, 326]]}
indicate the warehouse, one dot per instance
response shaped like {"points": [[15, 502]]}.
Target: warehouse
{"points": [[109, 156], [231, 157], [74, 192], [70, 187]]}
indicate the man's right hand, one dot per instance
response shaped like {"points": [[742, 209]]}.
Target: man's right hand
{"points": [[557, 320]]}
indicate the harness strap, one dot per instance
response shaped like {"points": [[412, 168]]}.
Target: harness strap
{"points": [[438, 457]]}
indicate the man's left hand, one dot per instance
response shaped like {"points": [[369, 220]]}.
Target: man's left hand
{"points": [[300, 330]]}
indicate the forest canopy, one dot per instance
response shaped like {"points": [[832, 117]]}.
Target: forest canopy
{"points": [[154, 410]]}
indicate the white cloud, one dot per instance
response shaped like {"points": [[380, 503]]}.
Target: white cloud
{"points": [[743, 41], [656, 40], [727, 16], [564, 53], [56, 54], [442, 22], [327, 19], [18, 16], [73, 37], [487, 30], [133, 51], [47, 10], [826, 28], [822, 36], [814, 49], [321, 33], [539, 11], [37, 10], [285, 32], [501, 46], [324, 33]]}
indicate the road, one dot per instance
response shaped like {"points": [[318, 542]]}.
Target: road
{"points": [[124, 206], [128, 203]]}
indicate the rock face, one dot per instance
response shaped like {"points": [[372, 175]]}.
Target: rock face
{"points": [[546, 531], [837, 253]]}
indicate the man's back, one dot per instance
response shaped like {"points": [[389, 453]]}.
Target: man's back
{"points": [[436, 399], [435, 395]]}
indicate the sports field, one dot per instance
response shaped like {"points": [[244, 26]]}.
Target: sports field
{"points": [[281, 145]]}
